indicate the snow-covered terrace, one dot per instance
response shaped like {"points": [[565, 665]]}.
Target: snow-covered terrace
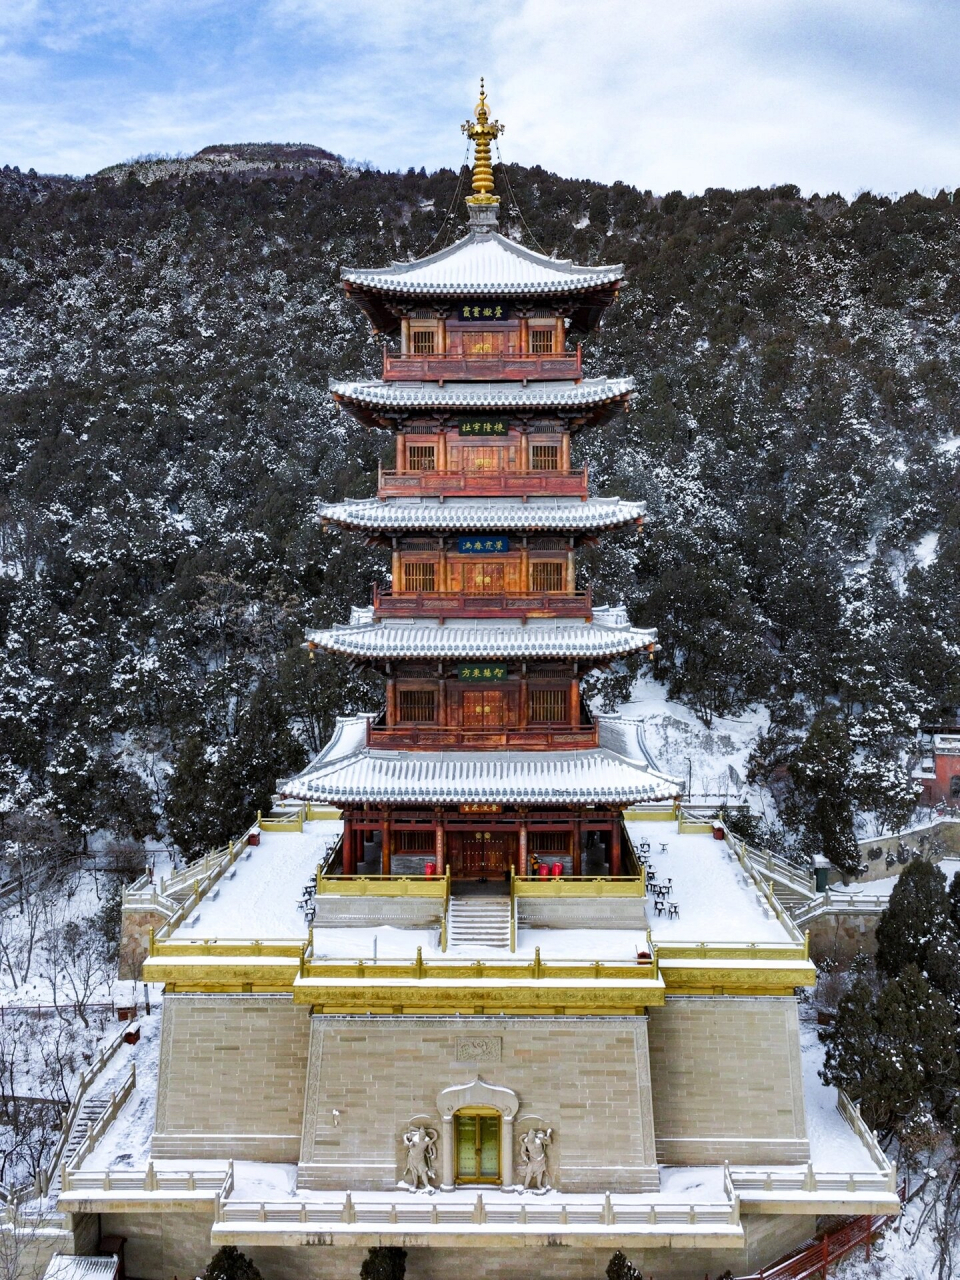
{"points": [[259, 898]]}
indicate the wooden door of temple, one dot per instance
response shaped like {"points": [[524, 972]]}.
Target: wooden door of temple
{"points": [[483, 709], [484, 579], [481, 855], [481, 457], [477, 1146]]}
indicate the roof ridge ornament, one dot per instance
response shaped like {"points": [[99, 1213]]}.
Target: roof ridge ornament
{"points": [[483, 205]]}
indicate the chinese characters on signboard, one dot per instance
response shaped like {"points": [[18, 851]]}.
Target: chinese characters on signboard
{"points": [[480, 806], [482, 311], [481, 671], [482, 427], [476, 544]]}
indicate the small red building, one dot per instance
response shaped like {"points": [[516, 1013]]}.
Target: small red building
{"points": [[939, 769]]}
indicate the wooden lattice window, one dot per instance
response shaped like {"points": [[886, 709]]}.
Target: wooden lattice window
{"points": [[546, 575], [424, 342], [415, 841], [549, 841], [541, 342], [545, 457], [420, 576], [418, 704], [548, 705], [421, 457]]}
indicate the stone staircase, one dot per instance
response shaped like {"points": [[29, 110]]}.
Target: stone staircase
{"points": [[483, 922], [91, 1109]]}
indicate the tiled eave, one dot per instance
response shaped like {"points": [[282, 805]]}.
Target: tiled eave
{"points": [[560, 396], [608, 636], [503, 516]]}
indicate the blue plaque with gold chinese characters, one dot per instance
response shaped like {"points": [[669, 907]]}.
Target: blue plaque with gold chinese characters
{"points": [[483, 544]]}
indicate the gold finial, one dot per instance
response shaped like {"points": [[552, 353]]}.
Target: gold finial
{"points": [[481, 133]]}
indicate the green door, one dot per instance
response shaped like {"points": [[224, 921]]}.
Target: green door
{"points": [[478, 1148]]}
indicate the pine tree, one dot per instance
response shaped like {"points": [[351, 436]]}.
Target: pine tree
{"points": [[916, 915], [823, 769], [384, 1262], [621, 1268], [228, 1263]]}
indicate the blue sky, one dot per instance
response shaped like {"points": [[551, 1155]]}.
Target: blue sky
{"points": [[830, 94]]}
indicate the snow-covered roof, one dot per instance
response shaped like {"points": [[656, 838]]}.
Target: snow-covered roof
{"points": [[347, 770], [565, 515], [484, 264], [609, 635], [64, 1266], [565, 394]]}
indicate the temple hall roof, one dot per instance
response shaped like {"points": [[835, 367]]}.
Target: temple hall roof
{"points": [[347, 770], [585, 394], [609, 635], [484, 264], [467, 515]]}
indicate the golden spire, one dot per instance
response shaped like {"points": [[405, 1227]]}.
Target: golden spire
{"points": [[481, 133]]}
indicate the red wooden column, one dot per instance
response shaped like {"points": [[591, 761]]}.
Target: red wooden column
{"points": [[522, 856], [574, 704], [615, 848], [391, 702], [577, 843], [385, 847], [440, 851], [349, 846]]}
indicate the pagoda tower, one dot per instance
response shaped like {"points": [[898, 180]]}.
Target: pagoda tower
{"points": [[485, 759]]}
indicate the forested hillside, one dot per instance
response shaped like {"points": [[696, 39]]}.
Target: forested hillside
{"points": [[166, 433]]}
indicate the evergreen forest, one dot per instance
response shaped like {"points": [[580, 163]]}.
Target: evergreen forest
{"points": [[166, 340]]}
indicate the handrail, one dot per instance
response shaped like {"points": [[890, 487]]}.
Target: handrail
{"points": [[96, 1130], [581, 886], [444, 927], [571, 967], [85, 1082]]}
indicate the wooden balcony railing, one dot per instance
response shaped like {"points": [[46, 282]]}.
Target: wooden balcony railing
{"points": [[428, 737], [482, 484], [486, 368], [458, 604]]}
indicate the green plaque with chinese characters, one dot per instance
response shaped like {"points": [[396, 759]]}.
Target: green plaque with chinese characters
{"points": [[483, 312], [482, 671], [480, 544], [483, 427]]}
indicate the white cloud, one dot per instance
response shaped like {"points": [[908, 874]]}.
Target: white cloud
{"points": [[830, 94]]}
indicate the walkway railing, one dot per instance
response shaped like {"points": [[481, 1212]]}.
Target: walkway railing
{"points": [[85, 1083], [600, 1211], [96, 1130], [165, 1181], [816, 1258]]}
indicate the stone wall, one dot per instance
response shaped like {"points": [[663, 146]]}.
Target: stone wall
{"points": [[582, 913], [135, 929], [178, 1244], [945, 833], [726, 1081], [232, 1070], [586, 1078], [366, 913], [841, 935]]}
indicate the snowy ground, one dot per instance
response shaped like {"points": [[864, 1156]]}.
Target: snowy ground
{"points": [[712, 760], [718, 901], [833, 1144], [258, 897], [882, 888]]}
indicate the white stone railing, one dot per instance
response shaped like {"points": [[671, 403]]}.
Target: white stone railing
{"points": [[85, 1083], [856, 904], [764, 888], [600, 1211], [169, 1182], [98, 1128], [882, 1178]]}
